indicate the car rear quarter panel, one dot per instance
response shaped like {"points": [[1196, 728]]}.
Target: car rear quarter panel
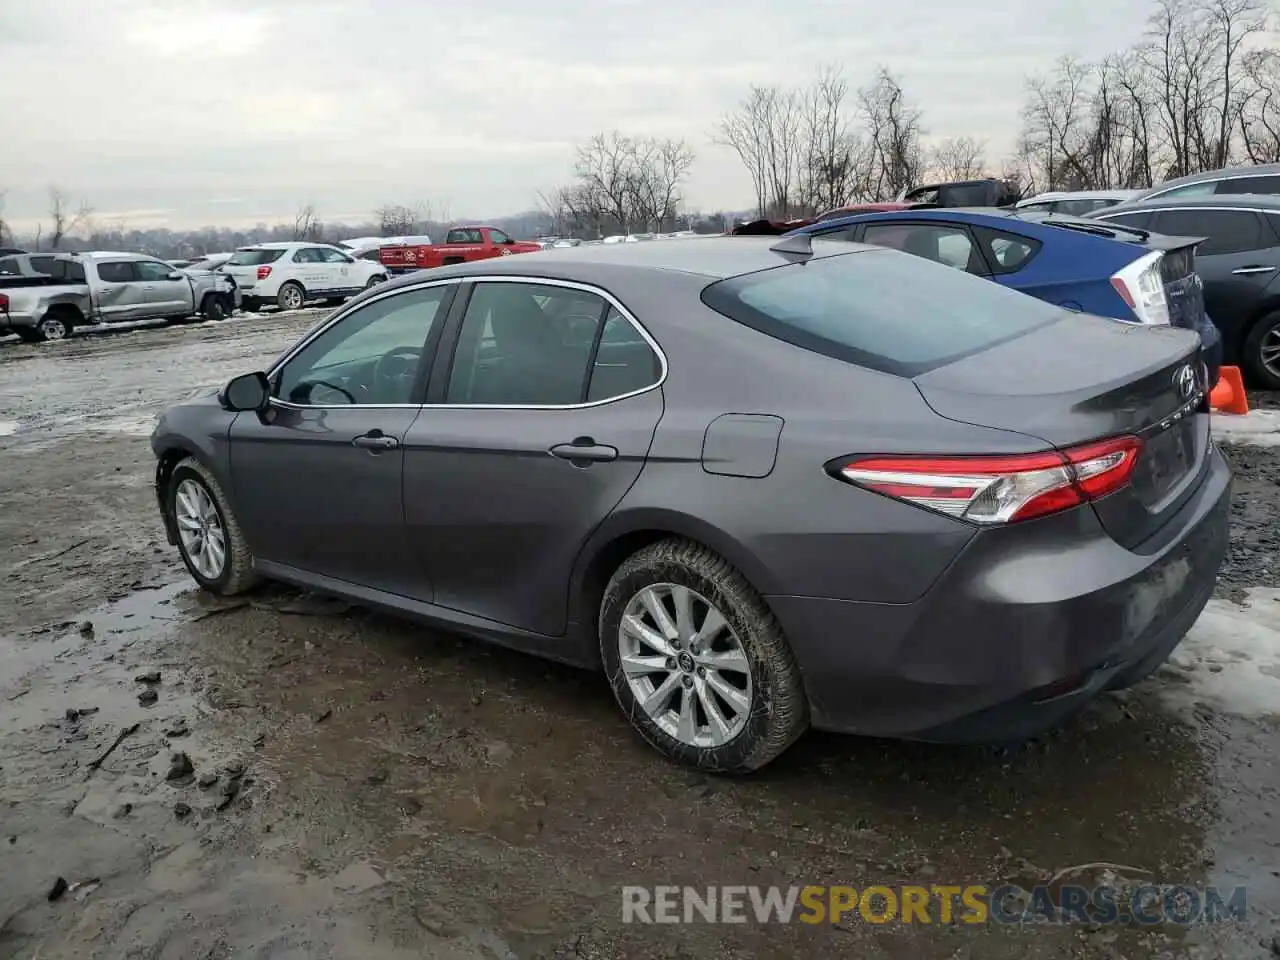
{"points": [[797, 530]]}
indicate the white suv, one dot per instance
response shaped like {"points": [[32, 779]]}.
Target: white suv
{"points": [[292, 273]]}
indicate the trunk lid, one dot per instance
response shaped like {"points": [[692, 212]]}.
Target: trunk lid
{"points": [[1088, 378]]}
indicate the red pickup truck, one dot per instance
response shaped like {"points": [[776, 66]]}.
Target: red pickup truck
{"points": [[461, 245]]}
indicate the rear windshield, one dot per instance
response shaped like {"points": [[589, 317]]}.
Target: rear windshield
{"points": [[881, 309], [254, 257]]}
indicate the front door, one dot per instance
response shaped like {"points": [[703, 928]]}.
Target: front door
{"points": [[164, 297], [530, 438], [339, 274], [119, 295], [319, 475]]}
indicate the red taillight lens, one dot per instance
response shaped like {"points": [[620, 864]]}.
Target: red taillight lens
{"points": [[4, 303], [1001, 489], [264, 272], [1122, 288]]}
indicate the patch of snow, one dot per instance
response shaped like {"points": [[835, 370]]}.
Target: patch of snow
{"points": [[8, 428], [1231, 657], [1259, 428]]}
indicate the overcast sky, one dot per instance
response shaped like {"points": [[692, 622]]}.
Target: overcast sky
{"points": [[190, 112]]}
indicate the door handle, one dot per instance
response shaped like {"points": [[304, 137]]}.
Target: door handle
{"points": [[375, 440], [584, 451], [1243, 271]]}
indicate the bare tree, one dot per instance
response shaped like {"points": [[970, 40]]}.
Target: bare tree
{"points": [[306, 225], [894, 130], [64, 219], [765, 132], [6, 235], [658, 169], [832, 153], [958, 158], [1260, 110], [401, 220]]}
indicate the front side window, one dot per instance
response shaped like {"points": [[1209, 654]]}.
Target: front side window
{"points": [[370, 356], [116, 272], [941, 244], [151, 271], [531, 344], [1228, 231], [497, 236], [331, 256]]}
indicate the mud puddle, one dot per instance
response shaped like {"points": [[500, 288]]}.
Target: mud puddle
{"points": [[404, 793]]}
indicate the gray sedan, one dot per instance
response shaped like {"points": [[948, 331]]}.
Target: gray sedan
{"points": [[761, 484]]}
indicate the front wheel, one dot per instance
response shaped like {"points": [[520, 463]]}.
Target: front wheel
{"points": [[1262, 351], [698, 662], [213, 308], [376, 279], [209, 537], [290, 297]]}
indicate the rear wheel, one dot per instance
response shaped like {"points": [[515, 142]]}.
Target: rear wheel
{"points": [[376, 279], [290, 297], [209, 537], [55, 325], [698, 662], [1262, 351]]}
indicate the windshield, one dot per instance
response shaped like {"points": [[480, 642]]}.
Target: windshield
{"points": [[253, 257], [881, 309]]}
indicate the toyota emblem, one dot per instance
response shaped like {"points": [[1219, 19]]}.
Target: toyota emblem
{"points": [[1185, 380]]}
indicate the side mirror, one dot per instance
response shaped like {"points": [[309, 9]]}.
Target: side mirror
{"points": [[250, 391], [176, 275], [509, 242]]}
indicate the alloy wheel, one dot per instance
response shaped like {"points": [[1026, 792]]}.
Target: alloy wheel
{"points": [[292, 298], [1269, 351], [53, 329], [685, 665], [200, 529]]}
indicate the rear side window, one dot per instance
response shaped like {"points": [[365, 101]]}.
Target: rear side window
{"points": [[1229, 231], [254, 257], [933, 241], [1079, 207], [1139, 220], [41, 264], [9, 267], [1006, 252], [116, 272], [879, 309], [1250, 185], [71, 271]]}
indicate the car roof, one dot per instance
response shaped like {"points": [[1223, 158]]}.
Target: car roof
{"points": [[1224, 173], [281, 245], [1242, 201], [1051, 195], [713, 258]]}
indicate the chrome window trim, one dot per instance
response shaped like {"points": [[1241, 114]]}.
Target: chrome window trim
{"points": [[486, 278], [1156, 208]]}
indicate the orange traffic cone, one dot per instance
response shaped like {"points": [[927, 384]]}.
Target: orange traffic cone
{"points": [[1229, 396]]}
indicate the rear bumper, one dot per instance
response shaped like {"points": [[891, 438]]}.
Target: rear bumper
{"points": [[12, 321], [1024, 628]]}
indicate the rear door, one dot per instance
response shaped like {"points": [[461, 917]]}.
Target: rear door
{"points": [[118, 294], [163, 297], [538, 424], [1237, 263], [320, 473]]}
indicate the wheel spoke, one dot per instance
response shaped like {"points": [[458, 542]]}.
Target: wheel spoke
{"points": [[188, 522], [635, 665], [734, 661], [728, 692], [687, 729], [712, 624], [662, 694], [185, 504], [652, 601], [719, 726], [633, 625], [682, 599]]}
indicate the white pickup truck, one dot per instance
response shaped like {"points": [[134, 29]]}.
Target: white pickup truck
{"points": [[46, 301]]}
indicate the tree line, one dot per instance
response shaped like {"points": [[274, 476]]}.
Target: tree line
{"points": [[1200, 90]]}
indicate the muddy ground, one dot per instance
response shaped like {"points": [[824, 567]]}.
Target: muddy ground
{"points": [[359, 787]]}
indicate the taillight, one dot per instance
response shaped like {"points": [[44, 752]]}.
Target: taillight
{"points": [[263, 272], [1001, 489], [1141, 287], [4, 303]]}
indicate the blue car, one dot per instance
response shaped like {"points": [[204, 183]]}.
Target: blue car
{"points": [[1086, 265]]}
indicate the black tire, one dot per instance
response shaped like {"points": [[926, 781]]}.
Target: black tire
{"points": [[1264, 333], [779, 711], [376, 279], [237, 574], [212, 307], [285, 295]]}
